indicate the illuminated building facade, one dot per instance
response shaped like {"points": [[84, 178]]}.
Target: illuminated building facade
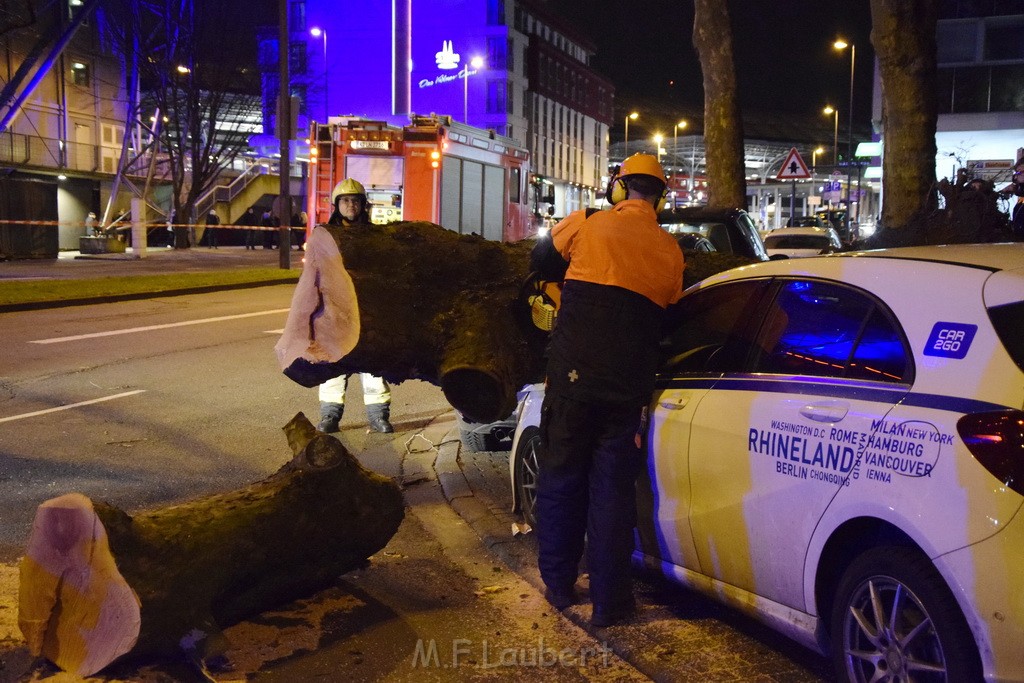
{"points": [[499, 64]]}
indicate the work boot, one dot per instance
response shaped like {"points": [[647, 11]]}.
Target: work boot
{"points": [[330, 416], [377, 414]]}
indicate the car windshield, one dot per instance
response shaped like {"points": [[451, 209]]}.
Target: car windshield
{"points": [[796, 242], [805, 221]]}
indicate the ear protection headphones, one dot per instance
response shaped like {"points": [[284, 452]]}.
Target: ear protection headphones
{"points": [[617, 192]]}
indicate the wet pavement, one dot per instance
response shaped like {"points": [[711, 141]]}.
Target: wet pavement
{"points": [[455, 595]]}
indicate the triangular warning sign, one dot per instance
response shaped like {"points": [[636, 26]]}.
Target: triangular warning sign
{"points": [[793, 168]]}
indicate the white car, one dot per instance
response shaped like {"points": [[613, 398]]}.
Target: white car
{"points": [[836, 446], [799, 242]]}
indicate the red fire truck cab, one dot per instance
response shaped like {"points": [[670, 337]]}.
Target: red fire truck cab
{"points": [[465, 179]]}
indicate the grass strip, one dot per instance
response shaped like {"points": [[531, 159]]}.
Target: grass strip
{"points": [[34, 291]]}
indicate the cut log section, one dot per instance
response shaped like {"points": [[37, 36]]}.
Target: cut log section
{"points": [[432, 305], [200, 566]]}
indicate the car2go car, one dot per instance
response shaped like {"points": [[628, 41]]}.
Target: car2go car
{"points": [[836, 446]]}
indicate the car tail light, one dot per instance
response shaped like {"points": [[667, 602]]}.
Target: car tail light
{"points": [[996, 440]]}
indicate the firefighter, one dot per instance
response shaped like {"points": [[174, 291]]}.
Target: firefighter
{"points": [[623, 271], [352, 208]]}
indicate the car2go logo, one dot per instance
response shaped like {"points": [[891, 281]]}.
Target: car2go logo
{"points": [[950, 340]]}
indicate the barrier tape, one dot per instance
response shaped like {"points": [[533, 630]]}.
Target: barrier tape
{"points": [[149, 226]]}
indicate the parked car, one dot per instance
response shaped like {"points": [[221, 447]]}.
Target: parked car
{"points": [[797, 242], [729, 230], [837, 451], [806, 221]]}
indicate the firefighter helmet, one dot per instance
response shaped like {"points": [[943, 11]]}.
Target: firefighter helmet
{"points": [[642, 164], [347, 187], [637, 164]]}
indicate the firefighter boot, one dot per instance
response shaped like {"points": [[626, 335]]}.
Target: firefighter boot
{"points": [[377, 414], [330, 416]]}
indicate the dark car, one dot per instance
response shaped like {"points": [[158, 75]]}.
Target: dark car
{"points": [[730, 231]]}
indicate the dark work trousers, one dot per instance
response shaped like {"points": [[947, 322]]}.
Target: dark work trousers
{"points": [[589, 463]]}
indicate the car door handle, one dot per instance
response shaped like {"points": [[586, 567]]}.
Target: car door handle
{"points": [[828, 411], [678, 404]]}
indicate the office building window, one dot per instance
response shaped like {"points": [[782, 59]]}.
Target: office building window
{"points": [[496, 52], [495, 12], [496, 97], [297, 57], [80, 73], [297, 15]]}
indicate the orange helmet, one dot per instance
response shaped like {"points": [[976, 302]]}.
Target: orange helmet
{"points": [[642, 164], [637, 164]]}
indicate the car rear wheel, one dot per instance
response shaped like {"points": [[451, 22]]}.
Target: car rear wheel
{"points": [[526, 470], [894, 619]]}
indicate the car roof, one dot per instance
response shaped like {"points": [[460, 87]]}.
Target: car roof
{"points": [[816, 230], [689, 213], [991, 257]]}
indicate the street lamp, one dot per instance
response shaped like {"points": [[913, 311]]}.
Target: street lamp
{"points": [[658, 137], [675, 148], [841, 44], [476, 63], [634, 116], [829, 110], [317, 32], [814, 157]]}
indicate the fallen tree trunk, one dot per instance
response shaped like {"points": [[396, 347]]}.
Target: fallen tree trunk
{"points": [[432, 305], [200, 566]]}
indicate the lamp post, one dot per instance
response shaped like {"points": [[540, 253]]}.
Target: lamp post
{"points": [[476, 63], [829, 110], [675, 145], [814, 157], [634, 116], [318, 32], [841, 44], [658, 138]]}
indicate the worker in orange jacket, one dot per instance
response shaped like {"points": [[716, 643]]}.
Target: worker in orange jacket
{"points": [[623, 271]]}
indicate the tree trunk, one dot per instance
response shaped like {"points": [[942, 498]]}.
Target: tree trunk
{"points": [[432, 304], [903, 35], [202, 565], [723, 126]]}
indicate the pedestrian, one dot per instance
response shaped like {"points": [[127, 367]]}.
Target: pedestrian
{"points": [[249, 219], [623, 270], [352, 208], [298, 229], [268, 220], [212, 221], [1016, 187]]}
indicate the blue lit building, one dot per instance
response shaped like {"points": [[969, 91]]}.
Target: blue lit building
{"points": [[500, 64]]}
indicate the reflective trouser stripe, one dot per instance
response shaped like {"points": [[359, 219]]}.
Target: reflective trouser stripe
{"points": [[375, 390]]}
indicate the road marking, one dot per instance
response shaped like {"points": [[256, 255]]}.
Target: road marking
{"points": [[69, 407], [148, 328], [281, 331]]}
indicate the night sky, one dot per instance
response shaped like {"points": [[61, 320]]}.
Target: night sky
{"points": [[785, 62]]}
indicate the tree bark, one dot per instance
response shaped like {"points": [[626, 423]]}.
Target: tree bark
{"points": [[205, 564], [723, 125], [903, 35], [432, 305]]}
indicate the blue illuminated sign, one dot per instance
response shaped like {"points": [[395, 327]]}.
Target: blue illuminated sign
{"points": [[950, 340]]}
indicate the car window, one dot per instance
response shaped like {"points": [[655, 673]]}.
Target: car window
{"points": [[1008, 321], [827, 330], [797, 242], [707, 329]]}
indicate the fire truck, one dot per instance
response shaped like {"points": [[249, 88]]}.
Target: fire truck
{"points": [[465, 179]]}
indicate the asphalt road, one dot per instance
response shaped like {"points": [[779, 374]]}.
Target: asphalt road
{"points": [[144, 403]]}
